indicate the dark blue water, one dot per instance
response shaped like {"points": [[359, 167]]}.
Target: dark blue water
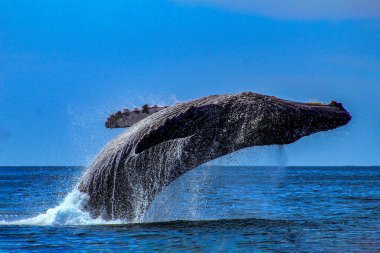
{"points": [[211, 209]]}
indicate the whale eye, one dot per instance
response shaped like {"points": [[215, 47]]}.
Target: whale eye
{"points": [[180, 126]]}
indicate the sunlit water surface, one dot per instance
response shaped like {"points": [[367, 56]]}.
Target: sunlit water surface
{"points": [[210, 209]]}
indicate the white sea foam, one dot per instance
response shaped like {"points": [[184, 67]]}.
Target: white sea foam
{"points": [[68, 212]]}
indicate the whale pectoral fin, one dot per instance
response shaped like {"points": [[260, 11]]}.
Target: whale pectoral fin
{"points": [[184, 125], [127, 118]]}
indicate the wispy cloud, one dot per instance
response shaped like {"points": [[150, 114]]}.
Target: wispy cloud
{"points": [[299, 9]]}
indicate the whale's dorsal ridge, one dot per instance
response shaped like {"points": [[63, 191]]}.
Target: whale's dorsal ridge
{"points": [[127, 118]]}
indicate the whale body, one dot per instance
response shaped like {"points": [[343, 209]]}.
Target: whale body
{"points": [[135, 166]]}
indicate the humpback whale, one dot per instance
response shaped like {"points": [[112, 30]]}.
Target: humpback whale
{"points": [[169, 141]]}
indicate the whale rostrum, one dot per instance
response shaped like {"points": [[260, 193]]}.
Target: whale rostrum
{"points": [[164, 144]]}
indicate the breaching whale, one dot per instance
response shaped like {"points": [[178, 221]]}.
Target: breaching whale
{"points": [[135, 166]]}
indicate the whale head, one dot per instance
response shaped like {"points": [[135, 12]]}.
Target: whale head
{"points": [[267, 120]]}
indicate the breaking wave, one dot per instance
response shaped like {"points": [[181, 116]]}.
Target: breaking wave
{"points": [[68, 212]]}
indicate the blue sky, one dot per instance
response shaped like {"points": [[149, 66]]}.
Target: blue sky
{"points": [[65, 65]]}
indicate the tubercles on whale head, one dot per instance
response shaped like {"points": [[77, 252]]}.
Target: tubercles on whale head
{"points": [[302, 119], [254, 119]]}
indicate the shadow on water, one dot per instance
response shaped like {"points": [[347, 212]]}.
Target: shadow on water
{"points": [[231, 235], [217, 224]]}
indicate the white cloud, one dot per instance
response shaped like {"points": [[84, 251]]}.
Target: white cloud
{"points": [[299, 9]]}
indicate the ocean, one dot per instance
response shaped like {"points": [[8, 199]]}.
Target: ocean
{"points": [[210, 209]]}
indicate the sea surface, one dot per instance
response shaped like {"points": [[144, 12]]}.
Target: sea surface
{"points": [[210, 209]]}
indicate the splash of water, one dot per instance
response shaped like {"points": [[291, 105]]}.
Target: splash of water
{"points": [[280, 164], [68, 212], [165, 206], [71, 212]]}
